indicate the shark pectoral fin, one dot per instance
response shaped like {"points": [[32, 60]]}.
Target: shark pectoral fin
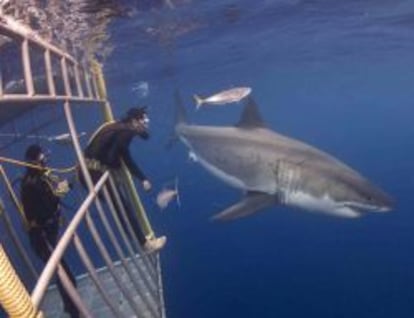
{"points": [[252, 203]]}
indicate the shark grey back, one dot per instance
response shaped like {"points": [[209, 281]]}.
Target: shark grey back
{"points": [[275, 169]]}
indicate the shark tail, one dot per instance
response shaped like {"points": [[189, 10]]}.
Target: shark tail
{"points": [[199, 101], [180, 113]]}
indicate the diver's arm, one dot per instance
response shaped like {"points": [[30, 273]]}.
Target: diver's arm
{"points": [[132, 166], [46, 192], [144, 134], [136, 171]]}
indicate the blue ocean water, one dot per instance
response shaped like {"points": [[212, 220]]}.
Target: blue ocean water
{"points": [[336, 74]]}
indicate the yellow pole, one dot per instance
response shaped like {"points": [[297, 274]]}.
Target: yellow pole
{"points": [[14, 297], [139, 208], [101, 86]]}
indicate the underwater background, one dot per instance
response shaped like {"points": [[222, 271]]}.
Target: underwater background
{"points": [[338, 75]]}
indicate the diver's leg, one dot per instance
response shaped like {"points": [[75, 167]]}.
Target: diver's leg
{"points": [[129, 215], [39, 243], [51, 235], [68, 305], [149, 243], [132, 219]]}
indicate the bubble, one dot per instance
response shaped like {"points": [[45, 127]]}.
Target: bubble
{"points": [[141, 89]]}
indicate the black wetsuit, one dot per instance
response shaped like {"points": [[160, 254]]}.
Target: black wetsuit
{"points": [[41, 207], [111, 144], [109, 147]]}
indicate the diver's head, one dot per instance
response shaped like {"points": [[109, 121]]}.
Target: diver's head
{"points": [[137, 116], [34, 154]]}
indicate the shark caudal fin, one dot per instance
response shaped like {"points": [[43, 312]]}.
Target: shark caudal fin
{"points": [[180, 112], [199, 101], [251, 203]]}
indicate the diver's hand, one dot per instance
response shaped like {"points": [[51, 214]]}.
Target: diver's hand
{"points": [[62, 188], [146, 185]]}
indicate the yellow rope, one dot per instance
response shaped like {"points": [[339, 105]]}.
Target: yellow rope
{"points": [[14, 298], [10, 187], [30, 165]]}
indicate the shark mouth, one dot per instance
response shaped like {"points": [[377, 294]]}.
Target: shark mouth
{"points": [[362, 207]]}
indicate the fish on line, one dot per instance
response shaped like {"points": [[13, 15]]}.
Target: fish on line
{"points": [[64, 139], [232, 95], [166, 195]]}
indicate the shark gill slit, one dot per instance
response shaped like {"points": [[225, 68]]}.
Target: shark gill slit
{"points": [[287, 179]]}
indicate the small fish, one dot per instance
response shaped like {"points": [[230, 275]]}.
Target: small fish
{"points": [[141, 89], [61, 139], [64, 139], [166, 195], [224, 97]]}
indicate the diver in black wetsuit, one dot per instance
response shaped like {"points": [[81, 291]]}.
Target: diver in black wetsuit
{"points": [[108, 147], [40, 195]]}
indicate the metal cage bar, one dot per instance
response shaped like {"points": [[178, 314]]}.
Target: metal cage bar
{"points": [[118, 249], [88, 84], [162, 305], [27, 39], [86, 260], [144, 276], [49, 73], [11, 230], [72, 291], [131, 232], [78, 82], [19, 245], [64, 67], [19, 32], [27, 69]]}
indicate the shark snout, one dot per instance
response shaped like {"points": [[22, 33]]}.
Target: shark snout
{"points": [[369, 198], [373, 201], [383, 201], [386, 203]]}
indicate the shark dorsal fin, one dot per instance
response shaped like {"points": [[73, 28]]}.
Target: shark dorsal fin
{"points": [[250, 118], [180, 113]]}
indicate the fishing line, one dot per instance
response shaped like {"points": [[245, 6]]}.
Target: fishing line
{"points": [[30, 165]]}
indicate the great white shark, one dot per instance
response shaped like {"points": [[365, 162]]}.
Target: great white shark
{"points": [[273, 169]]}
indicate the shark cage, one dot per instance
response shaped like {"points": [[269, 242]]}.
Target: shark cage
{"points": [[48, 97]]}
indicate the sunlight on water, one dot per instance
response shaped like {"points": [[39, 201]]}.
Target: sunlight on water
{"points": [[71, 25]]}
